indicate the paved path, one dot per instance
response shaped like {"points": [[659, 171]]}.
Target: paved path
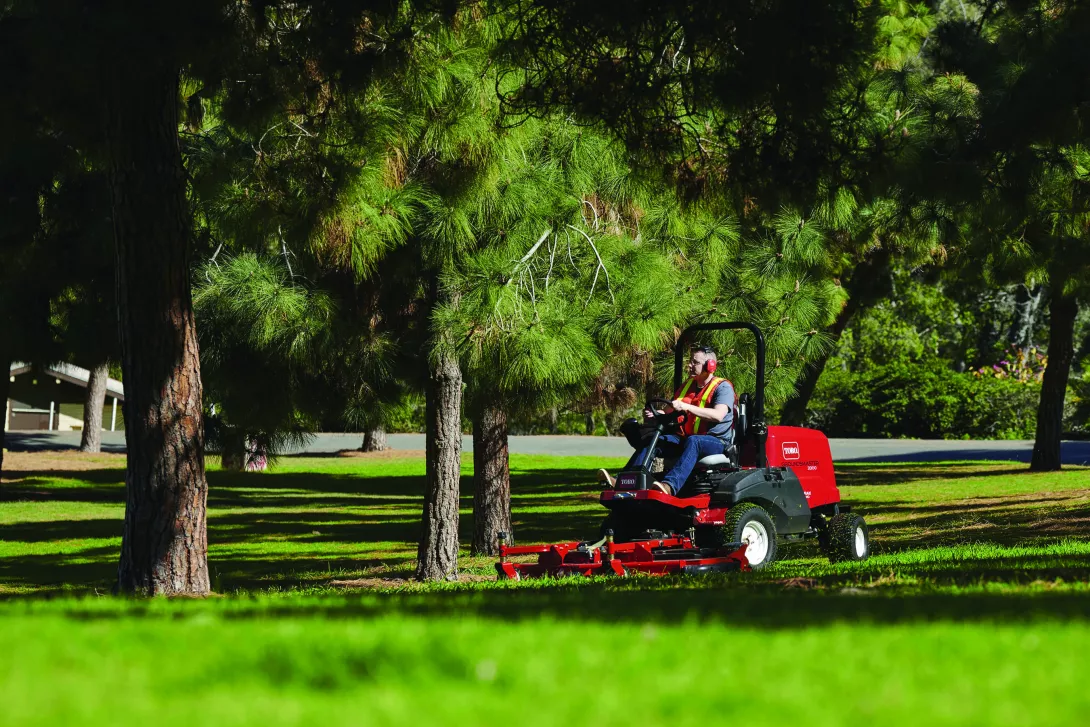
{"points": [[844, 450]]}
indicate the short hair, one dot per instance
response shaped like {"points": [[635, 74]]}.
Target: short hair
{"points": [[708, 351]]}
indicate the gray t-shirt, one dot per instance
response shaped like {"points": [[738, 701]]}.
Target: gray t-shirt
{"points": [[724, 394]]}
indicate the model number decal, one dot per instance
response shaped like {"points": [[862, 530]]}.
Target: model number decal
{"points": [[790, 450], [810, 464]]}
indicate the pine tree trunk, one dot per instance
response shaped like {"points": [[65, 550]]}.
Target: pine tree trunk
{"points": [[375, 440], [233, 450], [5, 390], [870, 281], [437, 556], [588, 423], [491, 480], [554, 421], [164, 545], [1061, 347], [91, 437], [795, 409]]}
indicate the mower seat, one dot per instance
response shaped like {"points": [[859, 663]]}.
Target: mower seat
{"points": [[729, 457]]}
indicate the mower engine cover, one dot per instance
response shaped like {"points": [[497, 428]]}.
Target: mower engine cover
{"points": [[806, 452]]}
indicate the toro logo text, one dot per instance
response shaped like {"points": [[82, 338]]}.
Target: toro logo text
{"points": [[790, 450]]}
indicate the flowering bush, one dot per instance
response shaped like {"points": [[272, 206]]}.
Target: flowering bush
{"points": [[1022, 365]]}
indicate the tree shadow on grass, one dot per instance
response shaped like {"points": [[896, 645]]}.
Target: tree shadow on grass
{"points": [[311, 511], [92, 569], [95, 571], [538, 482], [52, 530], [90, 494], [923, 475], [1002, 522], [722, 601]]}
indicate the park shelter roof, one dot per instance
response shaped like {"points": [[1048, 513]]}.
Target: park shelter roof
{"points": [[72, 374]]}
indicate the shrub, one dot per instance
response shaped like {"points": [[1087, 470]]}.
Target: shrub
{"points": [[925, 400]]}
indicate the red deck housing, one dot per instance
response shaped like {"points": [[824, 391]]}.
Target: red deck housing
{"points": [[619, 559]]}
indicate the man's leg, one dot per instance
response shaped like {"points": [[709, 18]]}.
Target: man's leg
{"points": [[666, 443], [693, 450]]}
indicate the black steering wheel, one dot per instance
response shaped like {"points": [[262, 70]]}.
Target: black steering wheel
{"points": [[670, 420]]}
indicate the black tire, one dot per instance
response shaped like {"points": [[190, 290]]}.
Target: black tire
{"points": [[848, 538], [750, 514]]}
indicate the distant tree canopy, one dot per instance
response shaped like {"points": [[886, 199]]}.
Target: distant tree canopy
{"points": [[758, 101]]}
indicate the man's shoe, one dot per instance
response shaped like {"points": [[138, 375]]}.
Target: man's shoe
{"points": [[662, 487], [604, 476]]}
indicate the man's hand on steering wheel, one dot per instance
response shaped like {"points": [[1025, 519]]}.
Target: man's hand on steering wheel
{"points": [[666, 416]]}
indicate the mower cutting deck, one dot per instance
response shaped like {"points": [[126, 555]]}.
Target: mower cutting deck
{"points": [[775, 484], [608, 558]]}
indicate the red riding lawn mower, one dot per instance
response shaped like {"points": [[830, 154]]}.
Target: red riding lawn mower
{"points": [[775, 485]]}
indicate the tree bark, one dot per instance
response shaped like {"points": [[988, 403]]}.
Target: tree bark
{"points": [[164, 545], [437, 556], [91, 437], [5, 390], [491, 479], [1063, 310], [233, 450], [375, 440]]}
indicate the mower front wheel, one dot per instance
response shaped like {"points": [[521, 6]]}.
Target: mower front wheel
{"points": [[848, 538], [749, 523]]}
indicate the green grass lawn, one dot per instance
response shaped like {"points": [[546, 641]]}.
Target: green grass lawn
{"points": [[975, 609]]}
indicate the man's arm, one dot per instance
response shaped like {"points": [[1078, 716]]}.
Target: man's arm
{"points": [[722, 404], [716, 413]]}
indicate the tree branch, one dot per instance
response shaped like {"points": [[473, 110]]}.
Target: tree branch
{"points": [[601, 266]]}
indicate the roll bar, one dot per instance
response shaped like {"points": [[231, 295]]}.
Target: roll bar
{"points": [[758, 416]]}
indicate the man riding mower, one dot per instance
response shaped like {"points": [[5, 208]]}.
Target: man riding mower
{"points": [[767, 485], [708, 403]]}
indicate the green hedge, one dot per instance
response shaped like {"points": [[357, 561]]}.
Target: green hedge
{"points": [[923, 400]]}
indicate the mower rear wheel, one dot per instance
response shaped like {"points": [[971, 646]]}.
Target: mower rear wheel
{"points": [[750, 523], [848, 538]]}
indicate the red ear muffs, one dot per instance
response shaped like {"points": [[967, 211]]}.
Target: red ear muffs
{"points": [[709, 366]]}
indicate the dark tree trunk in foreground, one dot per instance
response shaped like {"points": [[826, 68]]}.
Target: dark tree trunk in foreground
{"points": [[375, 440], [870, 281], [1061, 348], [164, 548], [437, 557], [491, 480], [91, 438], [5, 389]]}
